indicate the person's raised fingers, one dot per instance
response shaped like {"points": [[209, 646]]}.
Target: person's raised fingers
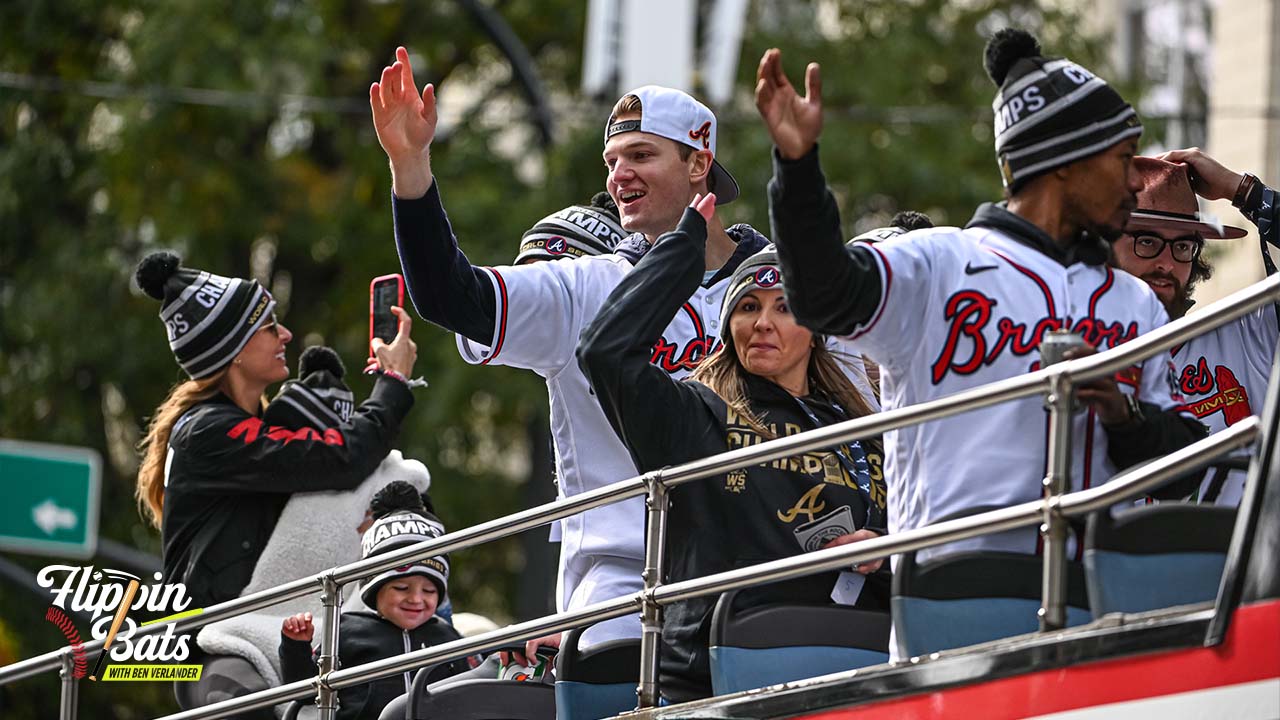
{"points": [[406, 72], [375, 97], [764, 91], [429, 103], [706, 206], [776, 74], [406, 322], [388, 84], [813, 83], [763, 69]]}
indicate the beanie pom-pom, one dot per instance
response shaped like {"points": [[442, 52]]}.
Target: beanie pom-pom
{"points": [[394, 497], [319, 357], [1005, 48], [154, 271], [605, 202]]}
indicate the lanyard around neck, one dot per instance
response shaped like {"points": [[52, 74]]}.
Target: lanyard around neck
{"points": [[861, 479]]}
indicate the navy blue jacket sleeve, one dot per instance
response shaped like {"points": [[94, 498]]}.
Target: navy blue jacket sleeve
{"points": [[445, 287], [297, 662], [834, 289], [654, 415]]}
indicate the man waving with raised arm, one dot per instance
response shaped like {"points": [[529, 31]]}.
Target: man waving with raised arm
{"points": [[943, 310], [659, 152]]}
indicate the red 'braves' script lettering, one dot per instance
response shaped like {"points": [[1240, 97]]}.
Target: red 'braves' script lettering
{"points": [[670, 357], [970, 312], [249, 429]]}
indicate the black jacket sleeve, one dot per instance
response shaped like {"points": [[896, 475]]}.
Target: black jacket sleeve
{"points": [[296, 661], [234, 452], [445, 287], [1160, 433], [830, 289], [1262, 208], [649, 410]]}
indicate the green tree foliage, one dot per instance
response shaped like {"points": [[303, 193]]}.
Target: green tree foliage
{"points": [[238, 134]]}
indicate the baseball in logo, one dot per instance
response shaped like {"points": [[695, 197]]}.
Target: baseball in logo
{"points": [[767, 277], [703, 133], [106, 597], [556, 245]]}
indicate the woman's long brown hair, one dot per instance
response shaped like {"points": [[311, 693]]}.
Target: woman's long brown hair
{"points": [[155, 446], [725, 374]]}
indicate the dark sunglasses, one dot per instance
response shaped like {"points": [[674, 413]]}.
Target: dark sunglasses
{"points": [[273, 326], [1183, 249]]}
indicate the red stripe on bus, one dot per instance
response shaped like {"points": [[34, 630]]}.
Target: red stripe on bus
{"points": [[1250, 653]]}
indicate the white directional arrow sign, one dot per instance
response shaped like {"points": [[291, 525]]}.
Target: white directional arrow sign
{"points": [[51, 518], [50, 499]]}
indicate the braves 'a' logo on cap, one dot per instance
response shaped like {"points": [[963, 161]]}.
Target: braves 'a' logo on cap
{"points": [[703, 133], [556, 245], [767, 277]]}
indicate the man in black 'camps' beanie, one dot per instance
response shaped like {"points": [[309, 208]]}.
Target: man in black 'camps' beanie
{"points": [[944, 310], [1049, 112]]}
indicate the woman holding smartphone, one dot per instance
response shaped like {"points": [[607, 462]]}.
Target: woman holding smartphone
{"points": [[769, 379], [214, 477]]}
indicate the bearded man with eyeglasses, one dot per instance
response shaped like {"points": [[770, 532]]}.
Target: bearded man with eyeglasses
{"points": [[1222, 375]]}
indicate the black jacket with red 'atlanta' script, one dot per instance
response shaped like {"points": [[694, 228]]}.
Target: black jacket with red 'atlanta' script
{"points": [[229, 475]]}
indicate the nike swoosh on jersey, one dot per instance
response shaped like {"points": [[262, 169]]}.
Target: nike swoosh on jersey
{"points": [[969, 269]]}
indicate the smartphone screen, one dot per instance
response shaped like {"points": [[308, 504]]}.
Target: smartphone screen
{"points": [[385, 292]]}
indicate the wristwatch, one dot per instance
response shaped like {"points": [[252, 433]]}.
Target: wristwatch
{"points": [[1136, 417]]}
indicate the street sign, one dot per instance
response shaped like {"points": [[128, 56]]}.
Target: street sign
{"points": [[49, 498]]}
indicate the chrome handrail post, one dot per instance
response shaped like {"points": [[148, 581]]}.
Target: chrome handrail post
{"points": [[1053, 528], [70, 698], [651, 611], [331, 599]]}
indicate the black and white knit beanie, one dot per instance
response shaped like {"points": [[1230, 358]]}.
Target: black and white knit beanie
{"points": [[760, 271], [574, 232], [318, 398], [404, 526], [209, 318], [1049, 112]]}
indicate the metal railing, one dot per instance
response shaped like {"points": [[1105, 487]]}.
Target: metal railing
{"points": [[1057, 381]]}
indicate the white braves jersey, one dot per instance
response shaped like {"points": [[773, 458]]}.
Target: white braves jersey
{"points": [[1223, 376], [962, 308], [540, 309]]}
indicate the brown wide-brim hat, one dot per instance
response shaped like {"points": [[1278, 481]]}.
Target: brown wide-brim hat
{"points": [[1167, 202]]}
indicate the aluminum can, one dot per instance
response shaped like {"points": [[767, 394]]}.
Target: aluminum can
{"points": [[1055, 344]]}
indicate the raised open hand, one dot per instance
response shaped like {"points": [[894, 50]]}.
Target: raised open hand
{"points": [[405, 121], [794, 122]]}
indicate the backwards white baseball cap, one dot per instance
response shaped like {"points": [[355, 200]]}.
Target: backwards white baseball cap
{"points": [[675, 115]]}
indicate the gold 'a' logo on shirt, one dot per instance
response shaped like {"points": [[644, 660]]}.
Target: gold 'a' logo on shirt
{"points": [[808, 505]]}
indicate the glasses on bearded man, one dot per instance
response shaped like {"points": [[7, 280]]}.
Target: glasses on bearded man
{"points": [[1184, 249]]}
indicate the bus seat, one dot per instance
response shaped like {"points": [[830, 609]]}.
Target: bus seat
{"points": [[1156, 556], [473, 699], [779, 643], [597, 682], [972, 597]]}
